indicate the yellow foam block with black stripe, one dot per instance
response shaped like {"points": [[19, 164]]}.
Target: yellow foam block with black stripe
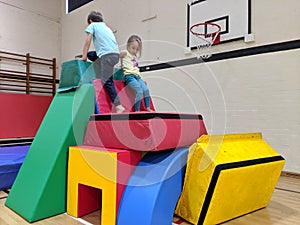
{"points": [[228, 176]]}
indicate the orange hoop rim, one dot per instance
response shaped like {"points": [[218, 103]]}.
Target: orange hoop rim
{"points": [[204, 24]]}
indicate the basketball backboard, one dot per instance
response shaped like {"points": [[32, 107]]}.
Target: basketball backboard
{"points": [[233, 16]]}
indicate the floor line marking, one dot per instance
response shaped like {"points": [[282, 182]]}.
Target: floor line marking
{"points": [[80, 220]]}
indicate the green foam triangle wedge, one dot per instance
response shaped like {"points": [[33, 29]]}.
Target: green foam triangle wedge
{"points": [[39, 190]]}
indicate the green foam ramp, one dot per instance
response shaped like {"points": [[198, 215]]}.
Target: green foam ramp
{"points": [[39, 190]]}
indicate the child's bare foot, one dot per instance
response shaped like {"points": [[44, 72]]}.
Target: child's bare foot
{"points": [[120, 109], [149, 110]]}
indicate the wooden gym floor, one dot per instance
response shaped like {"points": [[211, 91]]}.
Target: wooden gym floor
{"points": [[284, 209]]}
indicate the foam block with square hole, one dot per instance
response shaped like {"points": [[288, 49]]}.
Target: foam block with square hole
{"points": [[228, 176], [144, 131], [98, 175]]}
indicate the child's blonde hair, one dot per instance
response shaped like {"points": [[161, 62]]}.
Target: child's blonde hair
{"points": [[136, 38]]}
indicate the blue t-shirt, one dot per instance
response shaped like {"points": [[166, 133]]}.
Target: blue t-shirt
{"points": [[103, 38]]}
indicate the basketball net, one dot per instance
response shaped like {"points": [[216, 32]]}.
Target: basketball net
{"points": [[208, 34]]}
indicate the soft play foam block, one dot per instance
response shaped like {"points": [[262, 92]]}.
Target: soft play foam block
{"points": [[96, 174], [119, 74], [126, 95], [39, 190], [153, 189], [228, 176], [75, 73], [11, 159], [144, 131]]}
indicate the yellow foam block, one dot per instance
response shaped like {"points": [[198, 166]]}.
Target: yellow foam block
{"points": [[98, 175], [228, 176]]}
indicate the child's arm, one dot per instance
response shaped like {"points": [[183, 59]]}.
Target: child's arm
{"points": [[123, 54], [86, 46]]}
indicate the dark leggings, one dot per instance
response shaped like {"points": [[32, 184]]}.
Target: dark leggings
{"points": [[104, 67]]}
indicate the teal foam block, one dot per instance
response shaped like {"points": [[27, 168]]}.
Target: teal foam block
{"points": [[39, 190], [119, 74], [75, 73], [153, 189]]}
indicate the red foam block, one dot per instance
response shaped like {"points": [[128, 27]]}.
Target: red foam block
{"points": [[144, 131], [125, 94]]}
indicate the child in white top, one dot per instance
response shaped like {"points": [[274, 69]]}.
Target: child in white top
{"points": [[132, 74]]}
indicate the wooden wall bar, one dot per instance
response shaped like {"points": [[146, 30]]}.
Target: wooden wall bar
{"points": [[27, 74]]}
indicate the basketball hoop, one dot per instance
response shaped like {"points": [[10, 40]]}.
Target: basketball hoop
{"points": [[208, 34]]}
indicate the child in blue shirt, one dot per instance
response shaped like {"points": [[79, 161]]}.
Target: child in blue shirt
{"points": [[107, 51]]}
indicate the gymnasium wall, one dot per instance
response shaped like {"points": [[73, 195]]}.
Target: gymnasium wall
{"points": [[31, 26], [257, 90], [162, 25]]}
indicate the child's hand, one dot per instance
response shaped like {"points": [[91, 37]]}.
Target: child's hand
{"points": [[123, 54], [81, 57]]}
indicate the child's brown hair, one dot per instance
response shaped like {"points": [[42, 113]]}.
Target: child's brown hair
{"points": [[94, 16]]}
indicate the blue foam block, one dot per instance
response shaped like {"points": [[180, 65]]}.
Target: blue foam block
{"points": [[11, 159], [153, 189]]}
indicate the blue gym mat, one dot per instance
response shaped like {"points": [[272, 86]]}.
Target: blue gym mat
{"points": [[11, 159]]}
